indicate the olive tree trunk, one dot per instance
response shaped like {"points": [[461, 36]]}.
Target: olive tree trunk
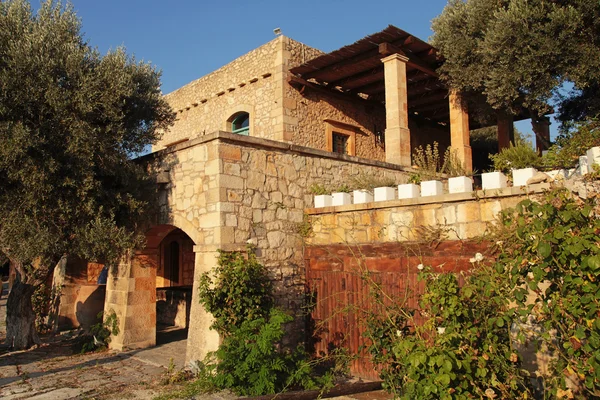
{"points": [[20, 318]]}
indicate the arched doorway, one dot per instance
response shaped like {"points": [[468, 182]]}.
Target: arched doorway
{"points": [[174, 281]]}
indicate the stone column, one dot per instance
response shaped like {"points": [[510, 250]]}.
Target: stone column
{"points": [[397, 134], [506, 131], [459, 131], [541, 128], [201, 339], [131, 294]]}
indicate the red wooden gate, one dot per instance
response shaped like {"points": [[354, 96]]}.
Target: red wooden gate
{"points": [[343, 280]]}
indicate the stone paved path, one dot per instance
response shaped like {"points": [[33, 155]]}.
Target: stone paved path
{"points": [[56, 372]]}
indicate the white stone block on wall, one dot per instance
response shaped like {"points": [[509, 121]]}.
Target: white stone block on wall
{"points": [[558, 174], [323, 200], [493, 180], [520, 176], [584, 166], [460, 184], [593, 155], [408, 191], [341, 199], [384, 193], [362, 196], [432, 188]]}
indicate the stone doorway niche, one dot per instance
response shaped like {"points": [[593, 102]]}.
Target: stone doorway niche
{"points": [[174, 281]]}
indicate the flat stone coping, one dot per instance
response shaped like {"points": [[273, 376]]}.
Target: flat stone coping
{"points": [[445, 198], [251, 141]]}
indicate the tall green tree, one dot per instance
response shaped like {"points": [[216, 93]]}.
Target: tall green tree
{"points": [[517, 54], [70, 121]]}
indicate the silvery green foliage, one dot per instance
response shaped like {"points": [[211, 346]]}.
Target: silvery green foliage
{"points": [[517, 53], [70, 120]]}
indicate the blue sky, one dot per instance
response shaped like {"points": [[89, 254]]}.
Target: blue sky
{"points": [[188, 39]]}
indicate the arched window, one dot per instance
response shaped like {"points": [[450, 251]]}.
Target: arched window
{"points": [[240, 124]]}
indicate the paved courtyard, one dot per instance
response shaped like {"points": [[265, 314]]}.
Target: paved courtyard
{"points": [[56, 371]]}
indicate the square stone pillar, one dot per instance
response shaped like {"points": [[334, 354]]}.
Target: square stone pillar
{"points": [[506, 131], [459, 131], [201, 339], [397, 134], [131, 294], [541, 128]]}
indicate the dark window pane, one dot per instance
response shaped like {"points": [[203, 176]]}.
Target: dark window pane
{"points": [[340, 143]]}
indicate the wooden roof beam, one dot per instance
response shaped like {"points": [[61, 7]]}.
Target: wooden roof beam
{"points": [[302, 84], [425, 86], [356, 59], [373, 88], [337, 65], [386, 49], [369, 75], [426, 100]]}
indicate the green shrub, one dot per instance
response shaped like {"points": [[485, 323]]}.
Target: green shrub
{"points": [[551, 249], [251, 359], [100, 333], [369, 182], [544, 285], [463, 348], [517, 156], [569, 146], [431, 165]]}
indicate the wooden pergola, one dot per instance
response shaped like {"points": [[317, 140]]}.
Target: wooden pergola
{"points": [[398, 69]]}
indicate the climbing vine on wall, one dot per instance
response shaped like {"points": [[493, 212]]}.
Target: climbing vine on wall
{"points": [[542, 287]]}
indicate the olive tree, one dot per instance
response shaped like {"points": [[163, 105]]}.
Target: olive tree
{"points": [[70, 121], [516, 55]]}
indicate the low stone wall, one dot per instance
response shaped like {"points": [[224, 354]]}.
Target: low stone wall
{"points": [[173, 306], [80, 305], [457, 216]]}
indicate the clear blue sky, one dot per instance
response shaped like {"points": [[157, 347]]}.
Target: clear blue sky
{"points": [[187, 39]]}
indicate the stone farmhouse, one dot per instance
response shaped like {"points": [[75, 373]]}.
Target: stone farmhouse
{"points": [[250, 140]]}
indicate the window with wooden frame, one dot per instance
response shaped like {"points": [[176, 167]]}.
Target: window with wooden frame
{"points": [[340, 137], [240, 123]]}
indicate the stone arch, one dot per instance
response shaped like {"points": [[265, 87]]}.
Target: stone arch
{"points": [[235, 111], [168, 223]]}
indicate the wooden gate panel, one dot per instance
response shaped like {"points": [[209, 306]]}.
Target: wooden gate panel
{"points": [[339, 282]]}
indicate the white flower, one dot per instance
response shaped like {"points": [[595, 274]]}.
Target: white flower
{"points": [[441, 330], [479, 257], [472, 260], [399, 333], [420, 267]]}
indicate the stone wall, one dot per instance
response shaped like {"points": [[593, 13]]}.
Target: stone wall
{"points": [[79, 305], [252, 83], [257, 83], [173, 306], [226, 190], [245, 84], [459, 216]]}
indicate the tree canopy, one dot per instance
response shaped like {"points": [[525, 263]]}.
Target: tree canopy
{"points": [[517, 54], [70, 121]]}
